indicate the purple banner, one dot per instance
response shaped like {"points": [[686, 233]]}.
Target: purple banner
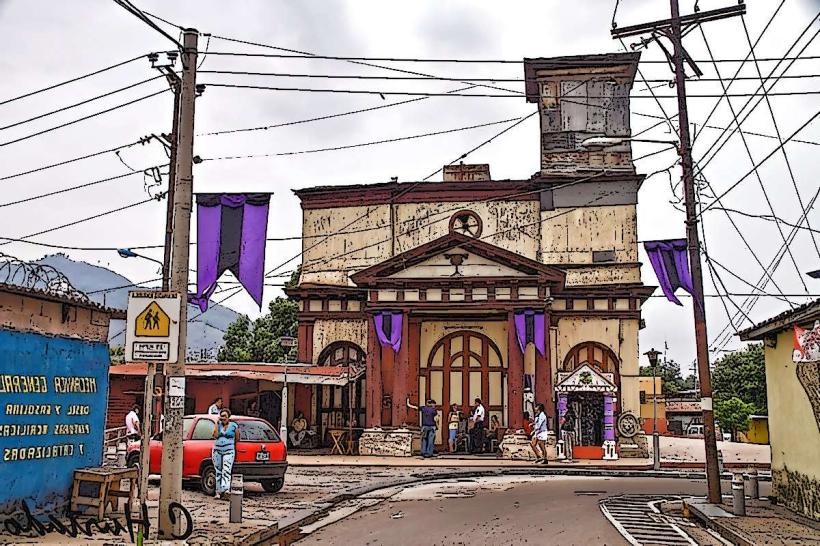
{"points": [[530, 328], [609, 418], [388, 328], [671, 264]]}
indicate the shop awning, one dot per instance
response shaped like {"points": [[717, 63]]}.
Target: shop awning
{"points": [[304, 374]]}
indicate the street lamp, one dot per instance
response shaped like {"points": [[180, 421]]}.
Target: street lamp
{"points": [[287, 343], [653, 355], [128, 253]]}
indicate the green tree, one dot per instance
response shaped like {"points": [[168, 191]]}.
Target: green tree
{"points": [[258, 341], [669, 372], [742, 374], [117, 354], [733, 415]]}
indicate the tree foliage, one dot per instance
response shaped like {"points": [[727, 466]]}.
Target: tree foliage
{"points": [[733, 414], [742, 375], [258, 341], [669, 372]]}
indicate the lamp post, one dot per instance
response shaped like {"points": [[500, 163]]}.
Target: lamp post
{"points": [[287, 343], [128, 253], [652, 355]]}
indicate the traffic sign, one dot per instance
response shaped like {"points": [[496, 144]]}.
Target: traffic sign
{"points": [[152, 330]]}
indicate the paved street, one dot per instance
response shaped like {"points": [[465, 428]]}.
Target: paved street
{"points": [[545, 510]]}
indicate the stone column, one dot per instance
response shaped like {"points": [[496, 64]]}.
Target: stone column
{"points": [[515, 377], [373, 378], [401, 389], [609, 427]]}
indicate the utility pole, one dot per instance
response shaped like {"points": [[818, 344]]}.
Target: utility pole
{"points": [[171, 484], [672, 29], [172, 172]]}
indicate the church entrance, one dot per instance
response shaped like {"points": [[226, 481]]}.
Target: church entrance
{"points": [[463, 366], [589, 424]]}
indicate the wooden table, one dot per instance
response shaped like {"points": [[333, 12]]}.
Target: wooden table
{"points": [[110, 489]]}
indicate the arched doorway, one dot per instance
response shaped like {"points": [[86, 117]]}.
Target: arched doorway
{"points": [[589, 374], [461, 367], [333, 402]]}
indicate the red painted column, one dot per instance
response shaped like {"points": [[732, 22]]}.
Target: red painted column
{"points": [[373, 378], [401, 389], [515, 377], [414, 348], [543, 375]]}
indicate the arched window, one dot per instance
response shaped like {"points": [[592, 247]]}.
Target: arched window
{"points": [[341, 353], [597, 355]]}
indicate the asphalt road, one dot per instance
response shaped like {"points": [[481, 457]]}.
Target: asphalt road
{"points": [[547, 510]]}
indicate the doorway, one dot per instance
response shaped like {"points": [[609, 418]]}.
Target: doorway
{"points": [[463, 366]]}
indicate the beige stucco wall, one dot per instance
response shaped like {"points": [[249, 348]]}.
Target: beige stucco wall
{"points": [[794, 431], [326, 332], [33, 314], [570, 235], [620, 335]]}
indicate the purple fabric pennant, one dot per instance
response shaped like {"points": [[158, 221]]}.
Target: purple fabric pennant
{"points": [[388, 328], [231, 232], [530, 328], [670, 261]]}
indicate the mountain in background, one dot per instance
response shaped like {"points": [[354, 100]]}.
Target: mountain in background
{"points": [[204, 332]]}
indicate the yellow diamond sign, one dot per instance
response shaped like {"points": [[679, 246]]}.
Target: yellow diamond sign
{"points": [[153, 322]]}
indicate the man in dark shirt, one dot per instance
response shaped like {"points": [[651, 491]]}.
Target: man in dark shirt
{"points": [[429, 424]]}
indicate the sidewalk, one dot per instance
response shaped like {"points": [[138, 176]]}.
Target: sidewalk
{"points": [[763, 523]]}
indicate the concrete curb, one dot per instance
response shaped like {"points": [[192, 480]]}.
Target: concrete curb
{"points": [[712, 523], [288, 528]]}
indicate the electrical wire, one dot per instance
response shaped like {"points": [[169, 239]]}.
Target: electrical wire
{"points": [[67, 161], [72, 80], [84, 118], [362, 144], [139, 14], [766, 217]]}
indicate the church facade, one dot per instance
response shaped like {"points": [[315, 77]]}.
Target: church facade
{"points": [[504, 290]]}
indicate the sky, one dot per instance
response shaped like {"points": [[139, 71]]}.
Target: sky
{"points": [[48, 42]]}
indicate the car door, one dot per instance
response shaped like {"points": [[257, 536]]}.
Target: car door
{"points": [[155, 446], [199, 447]]}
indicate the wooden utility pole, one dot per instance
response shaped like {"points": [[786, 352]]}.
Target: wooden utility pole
{"points": [[174, 410], [169, 213], [672, 29]]}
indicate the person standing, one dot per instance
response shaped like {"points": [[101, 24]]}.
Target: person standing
{"points": [[224, 452], [478, 425], [132, 423], [539, 435], [429, 424], [453, 420], [253, 409], [216, 407], [568, 433]]}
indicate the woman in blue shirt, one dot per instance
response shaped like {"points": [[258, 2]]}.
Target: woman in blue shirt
{"points": [[224, 452]]}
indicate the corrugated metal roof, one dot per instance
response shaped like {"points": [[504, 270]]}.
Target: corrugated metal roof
{"points": [[783, 321]]}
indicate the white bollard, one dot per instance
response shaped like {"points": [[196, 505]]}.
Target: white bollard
{"points": [[559, 449], [738, 495], [753, 486], [237, 494]]}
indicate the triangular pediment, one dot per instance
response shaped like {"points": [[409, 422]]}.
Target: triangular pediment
{"points": [[455, 256], [585, 378]]}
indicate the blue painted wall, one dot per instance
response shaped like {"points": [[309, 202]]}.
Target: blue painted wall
{"points": [[31, 467]]}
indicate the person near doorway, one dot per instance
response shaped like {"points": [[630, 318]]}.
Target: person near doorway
{"points": [[492, 434], [253, 409], [568, 433], [224, 452], [453, 420], [132, 423], [478, 426], [539, 435], [216, 407], [429, 424], [527, 424]]}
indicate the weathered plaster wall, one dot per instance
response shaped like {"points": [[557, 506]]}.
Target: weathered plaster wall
{"points": [[32, 314], [512, 225], [794, 427], [326, 332], [473, 266], [603, 275], [620, 335], [570, 235]]}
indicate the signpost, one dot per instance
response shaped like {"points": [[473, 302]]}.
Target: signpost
{"points": [[152, 336]]}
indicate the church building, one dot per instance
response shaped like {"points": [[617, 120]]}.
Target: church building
{"points": [[473, 287]]}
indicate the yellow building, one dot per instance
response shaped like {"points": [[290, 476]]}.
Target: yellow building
{"points": [[653, 404], [794, 410]]}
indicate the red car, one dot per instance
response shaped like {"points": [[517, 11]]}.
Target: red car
{"points": [[261, 456]]}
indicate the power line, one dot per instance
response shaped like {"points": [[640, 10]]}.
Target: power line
{"points": [[362, 144], [76, 104], [72, 188], [139, 14], [84, 118], [67, 161], [72, 80], [767, 217]]}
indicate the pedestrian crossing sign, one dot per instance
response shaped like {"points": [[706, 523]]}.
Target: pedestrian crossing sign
{"points": [[153, 322]]}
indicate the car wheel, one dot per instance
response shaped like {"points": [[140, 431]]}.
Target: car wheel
{"points": [[207, 479], [273, 486], [133, 460]]}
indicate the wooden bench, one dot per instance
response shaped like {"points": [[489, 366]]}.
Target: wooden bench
{"points": [[108, 482]]}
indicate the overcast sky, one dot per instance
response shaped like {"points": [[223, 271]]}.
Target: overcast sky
{"points": [[48, 42]]}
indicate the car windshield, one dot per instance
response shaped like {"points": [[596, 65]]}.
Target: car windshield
{"points": [[256, 431], [186, 426]]}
